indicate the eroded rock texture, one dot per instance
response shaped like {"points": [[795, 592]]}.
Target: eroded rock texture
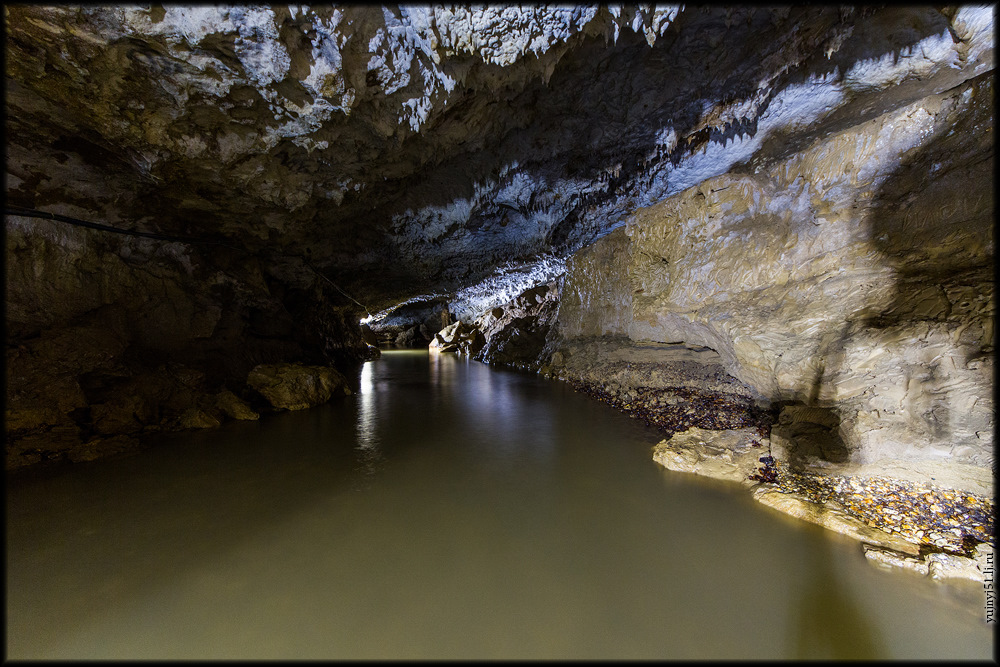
{"points": [[803, 191], [847, 281], [822, 280]]}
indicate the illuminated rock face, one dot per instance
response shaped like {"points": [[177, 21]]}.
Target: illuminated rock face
{"points": [[854, 275], [800, 189], [405, 150]]}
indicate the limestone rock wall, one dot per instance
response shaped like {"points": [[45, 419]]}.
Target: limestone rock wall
{"points": [[854, 275], [516, 332], [791, 162], [597, 293], [429, 145]]}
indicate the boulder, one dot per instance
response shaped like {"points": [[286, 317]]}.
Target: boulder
{"points": [[196, 418], [297, 386], [458, 337], [233, 406], [731, 455], [515, 333]]}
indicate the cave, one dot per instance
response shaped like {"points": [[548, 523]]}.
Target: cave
{"points": [[757, 240]]}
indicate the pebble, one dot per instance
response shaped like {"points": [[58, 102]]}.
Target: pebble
{"points": [[938, 519], [679, 408]]}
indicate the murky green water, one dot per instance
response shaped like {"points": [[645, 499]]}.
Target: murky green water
{"points": [[446, 511]]}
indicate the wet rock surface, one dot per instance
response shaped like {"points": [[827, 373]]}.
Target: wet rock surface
{"points": [[932, 530], [832, 516], [674, 409], [935, 518], [775, 224], [112, 338], [114, 410], [940, 566], [889, 559], [844, 286], [381, 153], [297, 386]]}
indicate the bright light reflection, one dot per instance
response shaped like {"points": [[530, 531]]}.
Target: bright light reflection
{"points": [[368, 442]]}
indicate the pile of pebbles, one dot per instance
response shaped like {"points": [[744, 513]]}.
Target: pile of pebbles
{"points": [[679, 408], [935, 518]]}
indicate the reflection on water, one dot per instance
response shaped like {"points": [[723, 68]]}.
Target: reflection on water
{"points": [[369, 454], [446, 510]]}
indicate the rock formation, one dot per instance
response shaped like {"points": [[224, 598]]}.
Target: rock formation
{"points": [[297, 386], [459, 337], [774, 221], [823, 284]]}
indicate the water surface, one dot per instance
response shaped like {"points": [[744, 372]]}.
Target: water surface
{"points": [[447, 510]]}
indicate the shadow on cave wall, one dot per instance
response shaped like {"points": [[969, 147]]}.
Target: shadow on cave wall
{"points": [[878, 33], [606, 103], [943, 189], [923, 224]]}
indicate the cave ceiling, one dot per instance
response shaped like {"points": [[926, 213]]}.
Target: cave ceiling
{"points": [[405, 150]]}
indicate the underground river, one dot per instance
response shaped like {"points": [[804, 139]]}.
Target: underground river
{"points": [[446, 510]]}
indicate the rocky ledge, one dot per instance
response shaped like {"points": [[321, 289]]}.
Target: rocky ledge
{"points": [[933, 529], [935, 518]]}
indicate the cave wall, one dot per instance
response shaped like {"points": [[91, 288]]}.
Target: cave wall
{"points": [[855, 275], [331, 163], [112, 337], [411, 150]]}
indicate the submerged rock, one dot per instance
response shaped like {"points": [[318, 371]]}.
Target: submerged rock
{"points": [[825, 234], [857, 288], [895, 520], [935, 565], [949, 566], [297, 386], [889, 559]]}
